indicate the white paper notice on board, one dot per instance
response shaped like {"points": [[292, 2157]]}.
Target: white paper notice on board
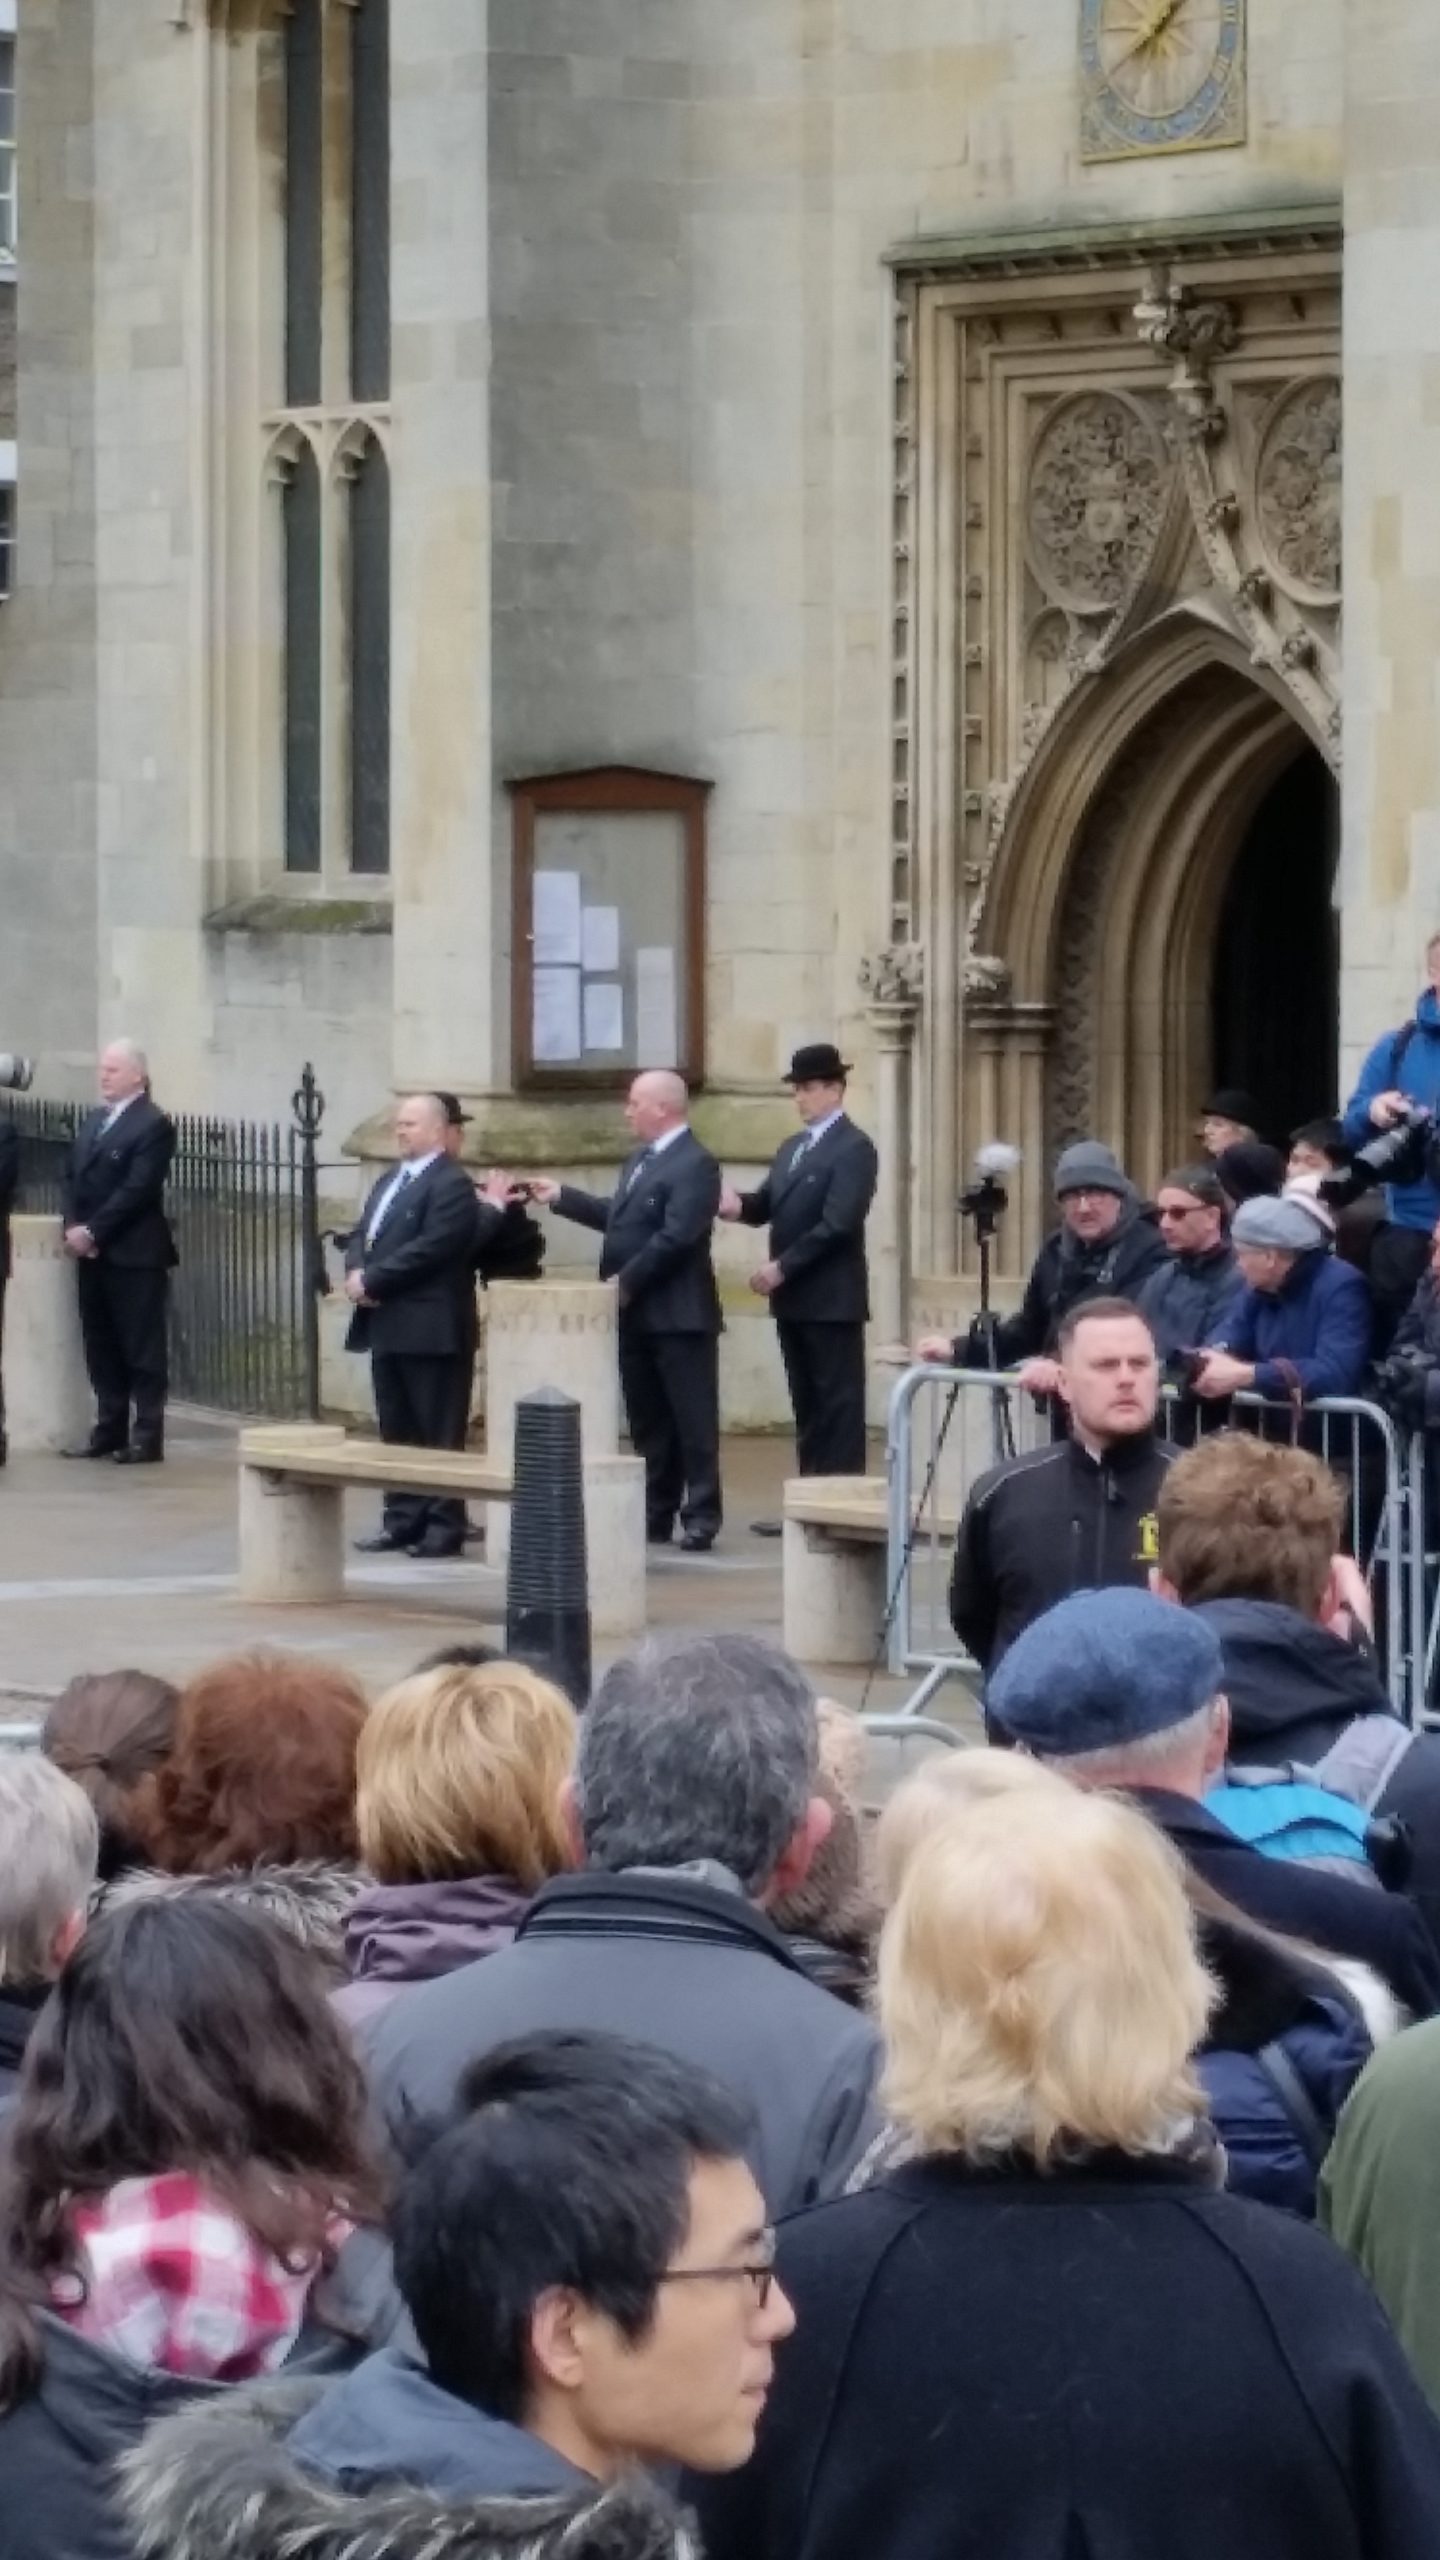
{"points": [[555, 1017], [600, 941], [604, 1014], [557, 919], [656, 1040]]}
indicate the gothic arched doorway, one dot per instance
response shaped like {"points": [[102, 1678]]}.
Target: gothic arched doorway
{"points": [[1275, 983]]}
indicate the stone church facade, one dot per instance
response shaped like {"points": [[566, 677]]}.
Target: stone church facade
{"points": [[920, 450]]}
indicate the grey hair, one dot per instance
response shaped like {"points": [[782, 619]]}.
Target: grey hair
{"points": [[132, 1050], [49, 1849], [697, 1747], [1141, 1762]]}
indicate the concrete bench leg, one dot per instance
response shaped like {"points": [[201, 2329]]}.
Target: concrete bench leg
{"points": [[291, 1539], [615, 1544], [834, 1595]]}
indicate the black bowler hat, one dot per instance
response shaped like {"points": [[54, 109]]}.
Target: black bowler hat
{"points": [[1230, 1102], [820, 1063], [450, 1105]]}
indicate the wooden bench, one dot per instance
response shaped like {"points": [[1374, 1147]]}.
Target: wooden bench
{"points": [[293, 1479]]}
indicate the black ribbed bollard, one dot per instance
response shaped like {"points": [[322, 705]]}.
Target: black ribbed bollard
{"points": [[547, 1589]]}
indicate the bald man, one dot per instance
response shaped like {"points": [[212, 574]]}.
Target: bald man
{"points": [[118, 1236], [410, 1274], [657, 1225]]}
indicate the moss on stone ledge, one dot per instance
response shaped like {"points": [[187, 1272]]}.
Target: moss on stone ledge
{"points": [[528, 1130]]}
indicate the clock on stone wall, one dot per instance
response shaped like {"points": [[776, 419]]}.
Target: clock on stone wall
{"points": [[1161, 75]]}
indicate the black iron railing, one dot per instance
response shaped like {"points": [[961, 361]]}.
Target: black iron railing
{"points": [[243, 1203]]}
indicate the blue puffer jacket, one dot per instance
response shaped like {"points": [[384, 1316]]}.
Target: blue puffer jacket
{"points": [[1411, 1204], [1271, 1997], [1319, 1322]]}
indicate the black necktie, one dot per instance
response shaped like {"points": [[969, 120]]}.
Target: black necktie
{"points": [[637, 1171]]}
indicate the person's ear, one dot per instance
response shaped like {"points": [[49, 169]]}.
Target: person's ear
{"points": [[1163, 1588], [66, 1939], [799, 1855], [556, 2341], [570, 1823], [1217, 1747], [1062, 1382]]}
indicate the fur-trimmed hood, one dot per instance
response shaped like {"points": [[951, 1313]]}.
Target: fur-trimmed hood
{"points": [[309, 1898], [218, 2482]]}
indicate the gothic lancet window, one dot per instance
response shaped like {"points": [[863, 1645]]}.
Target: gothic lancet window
{"points": [[369, 688], [331, 430]]}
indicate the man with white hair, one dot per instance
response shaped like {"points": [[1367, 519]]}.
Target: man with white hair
{"points": [[116, 1230], [410, 1276], [657, 1225], [49, 1846]]}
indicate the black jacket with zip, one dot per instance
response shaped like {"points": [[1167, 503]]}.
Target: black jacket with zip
{"points": [[1052, 1522]]}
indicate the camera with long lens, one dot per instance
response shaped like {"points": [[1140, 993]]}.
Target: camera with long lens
{"points": [[17, 1074], [1409, 1152]]}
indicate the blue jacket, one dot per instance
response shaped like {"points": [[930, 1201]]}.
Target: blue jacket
{"points": [[1411, 1204], [1320, 1322], [1266, 2154]]}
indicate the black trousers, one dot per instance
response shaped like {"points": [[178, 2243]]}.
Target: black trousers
{"points": [[1398, 1257], [825, 1372], [2, 1354], [422, 1401], [671, 1386], [122, 1326]]}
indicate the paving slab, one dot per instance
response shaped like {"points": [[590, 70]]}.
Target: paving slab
{"points": [[102, 1566]]}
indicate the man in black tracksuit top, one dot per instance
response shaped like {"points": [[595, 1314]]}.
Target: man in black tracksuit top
{"points": [[1079, 1515]]}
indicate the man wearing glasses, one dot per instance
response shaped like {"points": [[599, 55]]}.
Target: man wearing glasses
{"points": [[1186, 1296], [587, 2263]]}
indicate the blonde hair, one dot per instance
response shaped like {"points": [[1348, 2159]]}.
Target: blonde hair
{"points": [[1039, 1986], [460, 1773], [942, 1787]]}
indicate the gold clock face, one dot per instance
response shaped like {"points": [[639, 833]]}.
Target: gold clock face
{"points": [[1161, 75]]}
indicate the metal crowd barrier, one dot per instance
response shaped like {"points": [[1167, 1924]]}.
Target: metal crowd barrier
{"points": [[948, 1426]]}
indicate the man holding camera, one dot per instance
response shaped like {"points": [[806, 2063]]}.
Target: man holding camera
{"points": [[1391, 1120]]}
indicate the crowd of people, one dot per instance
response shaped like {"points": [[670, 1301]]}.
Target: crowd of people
{"points": [[455, 2125]]}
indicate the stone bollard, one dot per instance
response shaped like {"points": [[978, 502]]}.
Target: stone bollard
{"points": [[548, 1333], [47, 1394]]}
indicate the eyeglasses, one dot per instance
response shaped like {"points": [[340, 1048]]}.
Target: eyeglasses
{"points": [[1192, 1208], [760, 2274]]}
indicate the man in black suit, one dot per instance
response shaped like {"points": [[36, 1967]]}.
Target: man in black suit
{"points": [[410, 1273], [9, 1184], [656, 1226], [113, 1209], [816, 1198]]}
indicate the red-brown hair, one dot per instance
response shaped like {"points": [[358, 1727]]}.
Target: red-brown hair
{"points": [[262, 1767]]}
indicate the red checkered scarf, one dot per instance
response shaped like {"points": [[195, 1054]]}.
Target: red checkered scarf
{"points": [[168, 2277]]}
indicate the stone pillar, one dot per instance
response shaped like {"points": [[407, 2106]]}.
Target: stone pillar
{"points": [[47, 1395], [1390, 868], [893, 979], [548, 1333], [450, 933]]}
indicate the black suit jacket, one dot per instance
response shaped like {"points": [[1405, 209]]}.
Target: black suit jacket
{"points": [[114, 1184], [816, 1205], [9, 1184], [421, 1267], [657, 1237]]}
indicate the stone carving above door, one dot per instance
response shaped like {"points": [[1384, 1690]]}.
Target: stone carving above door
{"points": [[1099, 475], [1297, 481]]}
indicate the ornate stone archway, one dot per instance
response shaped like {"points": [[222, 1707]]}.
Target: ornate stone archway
{"points": [[1118, 588]]}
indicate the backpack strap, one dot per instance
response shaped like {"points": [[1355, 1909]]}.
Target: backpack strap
{"points": [[1295, 2098], [1364, 1760], [1399, 1045], [1295, 1396]]}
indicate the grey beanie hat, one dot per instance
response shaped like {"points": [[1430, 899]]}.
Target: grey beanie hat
{"points": [[1087, 1166], [1287, 1225]]}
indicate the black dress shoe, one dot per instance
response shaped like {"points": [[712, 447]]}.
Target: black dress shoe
{"points": [[767, 1528], [697, 1542], [383, 1543], [659, 1537], [140, 1454], [436, 1544], [93, 1449]]}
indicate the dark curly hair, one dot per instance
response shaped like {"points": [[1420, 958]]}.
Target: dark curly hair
{"points": [[183, 2035], [262, 1767]]}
